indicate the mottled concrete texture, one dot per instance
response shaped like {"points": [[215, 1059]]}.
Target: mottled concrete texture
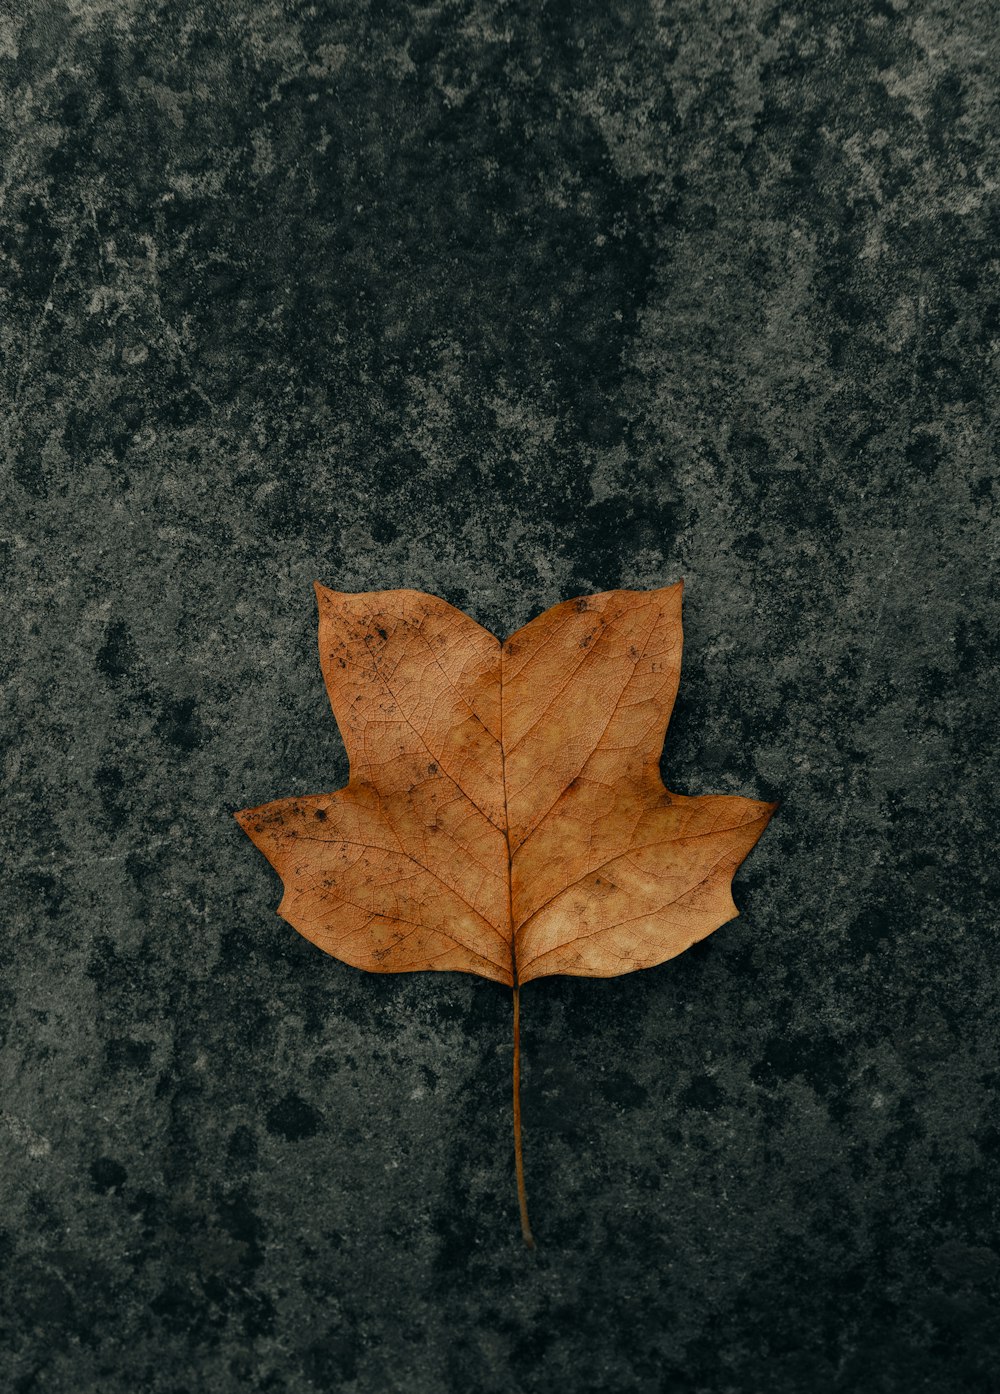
{"points": [[507, 302]]}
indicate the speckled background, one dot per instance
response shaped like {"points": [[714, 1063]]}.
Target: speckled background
{"points": [[507, 302]]}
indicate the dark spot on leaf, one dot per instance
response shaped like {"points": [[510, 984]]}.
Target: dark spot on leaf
{"points": [[320, 813]]}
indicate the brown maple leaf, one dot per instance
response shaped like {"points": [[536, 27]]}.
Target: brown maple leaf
{"points": [[505, 814]]}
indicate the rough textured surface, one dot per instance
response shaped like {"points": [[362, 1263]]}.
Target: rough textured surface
{"points": [[505, 302]]}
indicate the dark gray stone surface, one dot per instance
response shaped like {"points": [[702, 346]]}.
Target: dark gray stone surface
{"points": [[507, 302]]}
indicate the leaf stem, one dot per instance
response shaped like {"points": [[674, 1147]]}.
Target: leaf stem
{"points": [[522, 1198]]}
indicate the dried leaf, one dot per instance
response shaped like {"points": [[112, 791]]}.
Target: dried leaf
{"points": [[505, 814]]}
